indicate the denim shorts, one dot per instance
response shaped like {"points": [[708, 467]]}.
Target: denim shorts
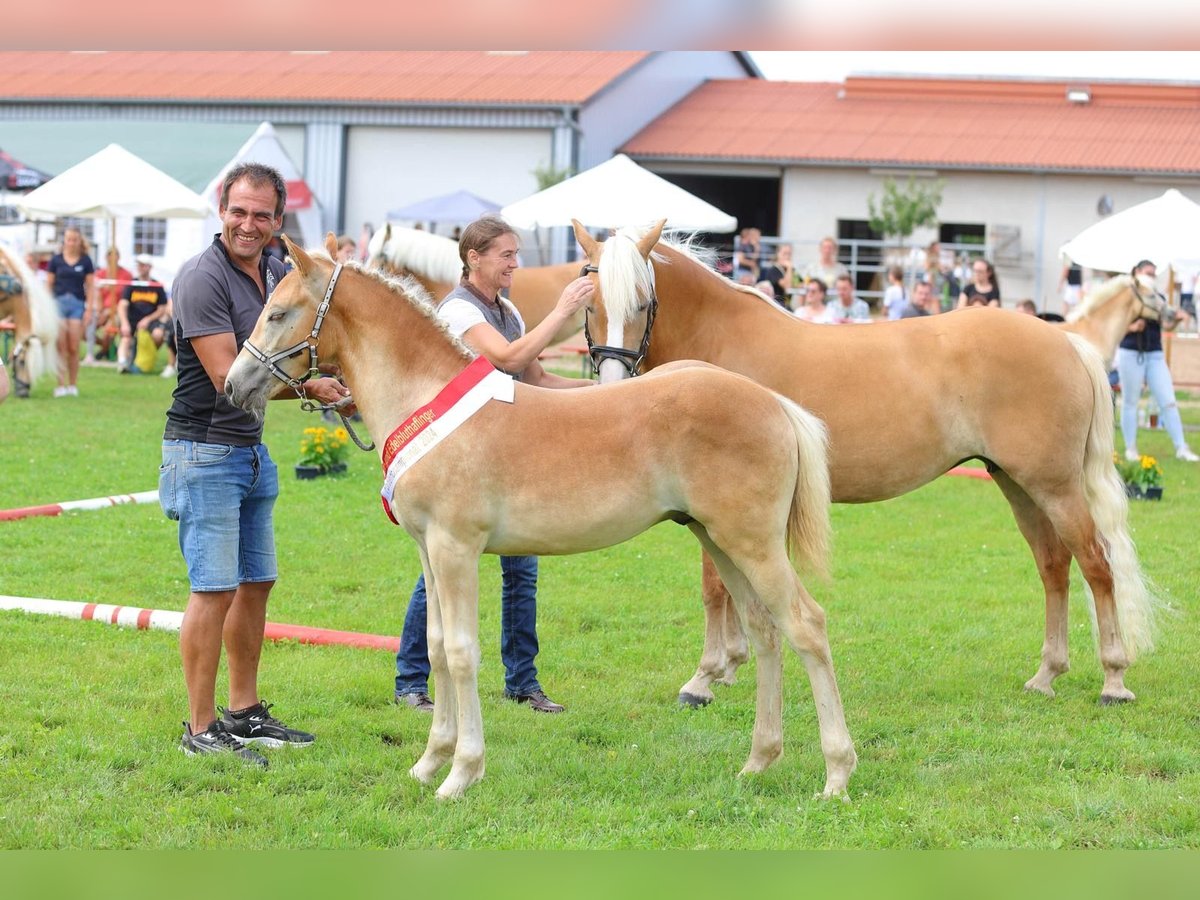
{"points": [[223, 497], [69, 306]]}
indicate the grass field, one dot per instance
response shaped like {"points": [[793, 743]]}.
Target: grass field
{"points": [[935, 619]]}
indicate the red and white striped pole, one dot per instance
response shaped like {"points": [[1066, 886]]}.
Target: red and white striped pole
{"points": [[54, 509], [167, 620]]}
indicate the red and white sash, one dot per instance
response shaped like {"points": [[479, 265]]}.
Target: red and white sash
{"points": [[430, 424]]}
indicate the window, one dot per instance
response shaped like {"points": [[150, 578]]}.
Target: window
{"points": [[87, 228], [150, 236]]}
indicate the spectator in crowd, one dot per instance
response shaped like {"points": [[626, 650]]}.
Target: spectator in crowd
{"points": [[894, 298], [347, 249], [781, 274], [939, 272], [69, 278], [814, 309], [104, 328], [143, 308], [1070, 286], [923, 303], [491, 326], [1140, 361], [983, 289], [845, 307], [217, 478], [827, 267], [747, 256], [1028, 307]]}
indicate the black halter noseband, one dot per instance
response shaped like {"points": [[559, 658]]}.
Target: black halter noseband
{"points": [[630, 359]]}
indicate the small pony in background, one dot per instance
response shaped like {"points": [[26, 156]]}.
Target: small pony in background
{"points": [[35, 321]]}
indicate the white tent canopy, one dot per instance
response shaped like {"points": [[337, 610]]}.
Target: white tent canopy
{"points": [[265, 147], [113, 183], [1165, 230], [614, 194]]}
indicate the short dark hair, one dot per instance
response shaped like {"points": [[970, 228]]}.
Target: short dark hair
{"points": [[1141, 265], [258, 175]]}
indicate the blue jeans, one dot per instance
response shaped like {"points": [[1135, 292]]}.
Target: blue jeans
{"points": [[518, 631], [223, 497], [1137, 369]]}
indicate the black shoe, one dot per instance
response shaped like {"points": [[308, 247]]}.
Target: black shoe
{"points": [[537, 700], [215, 739], [418, 701], [256, 725]]}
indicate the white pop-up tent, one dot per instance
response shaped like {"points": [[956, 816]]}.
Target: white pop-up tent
{"points": [[616, 193], [1165, 230], [113, 183], [264, 147]]}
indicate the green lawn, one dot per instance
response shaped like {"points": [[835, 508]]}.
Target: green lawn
{"points": [[935, 619]]}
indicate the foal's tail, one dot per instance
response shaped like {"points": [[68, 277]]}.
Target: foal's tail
{"points": [[1109, 506], [808, 531]]}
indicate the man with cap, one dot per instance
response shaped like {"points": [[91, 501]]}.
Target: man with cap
{"points": [[143, 307]]}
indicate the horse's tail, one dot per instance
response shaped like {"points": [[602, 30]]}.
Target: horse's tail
{"points": [[808, 531], [40, 355], [1109, 506]]}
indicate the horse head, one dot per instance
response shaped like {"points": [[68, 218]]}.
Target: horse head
{"points": [[281, 352], [625, 303]]}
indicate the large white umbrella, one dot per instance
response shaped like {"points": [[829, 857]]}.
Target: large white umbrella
{"points": [[110, 184], [1165, 230], [614, 194]]}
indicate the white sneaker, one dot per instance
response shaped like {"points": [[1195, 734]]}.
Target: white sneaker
{"points": [[72, 390], [1131, 455], [61, 391], [1186, 454], [168, 372]]}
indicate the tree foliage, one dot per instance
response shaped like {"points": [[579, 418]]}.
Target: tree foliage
{"points": [[904, 209]]}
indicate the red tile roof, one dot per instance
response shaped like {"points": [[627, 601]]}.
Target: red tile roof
{"points": [[990, 124], [404, 76]]}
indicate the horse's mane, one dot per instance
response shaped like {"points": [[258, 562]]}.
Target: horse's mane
{"points": [[43, 311], [411, 290], [428, 255], [628, 281], [1100, 296]]}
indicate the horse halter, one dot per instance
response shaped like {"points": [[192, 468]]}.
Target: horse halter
{"points": [[630, 359], [310, 344]]}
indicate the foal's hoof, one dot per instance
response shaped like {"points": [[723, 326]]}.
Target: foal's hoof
{"points": [[693, 701], [1114, 699]]}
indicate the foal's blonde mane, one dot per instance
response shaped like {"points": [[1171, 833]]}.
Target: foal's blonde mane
{"points": [[1100, 296], [628, 281], [428, 255], [411, 290], [43, 311]]}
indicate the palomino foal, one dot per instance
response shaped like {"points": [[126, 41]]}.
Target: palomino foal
{"points": [[742, 467]]}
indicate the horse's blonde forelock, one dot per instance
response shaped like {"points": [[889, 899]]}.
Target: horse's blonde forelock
{"points": [[624, 275]]}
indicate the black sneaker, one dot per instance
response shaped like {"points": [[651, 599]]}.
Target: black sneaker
{"points": [[256, 725], [537, 700], [419, 701], [215, 739]]}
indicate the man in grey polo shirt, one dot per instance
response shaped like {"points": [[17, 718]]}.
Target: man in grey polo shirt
{"points": [[217, 478]]}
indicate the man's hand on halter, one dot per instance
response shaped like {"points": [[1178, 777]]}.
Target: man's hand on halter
{"points": [[331, 391]]}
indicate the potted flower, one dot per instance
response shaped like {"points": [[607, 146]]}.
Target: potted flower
{"points": [[1143, 478], [322, 452]]}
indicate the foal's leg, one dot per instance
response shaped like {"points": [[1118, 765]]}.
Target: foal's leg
{"points": [[1053, 561], [724, 641], [443, 731], [774, 582]]}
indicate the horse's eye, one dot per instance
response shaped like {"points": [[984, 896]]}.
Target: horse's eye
{"points": [[275, 316]]}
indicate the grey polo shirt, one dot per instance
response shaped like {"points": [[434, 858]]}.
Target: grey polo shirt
{"points": [[212, 296]]}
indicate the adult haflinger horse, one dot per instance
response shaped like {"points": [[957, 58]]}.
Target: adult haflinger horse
{"points": [[434, 262], [1107, 312], [1031, 401], [742, 467], [35, 320]]}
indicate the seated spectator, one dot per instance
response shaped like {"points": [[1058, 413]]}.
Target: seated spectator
{"points": [[924, 302], [983, 289], [767, 289], [845, 307], [894, 298], [747, 256], [143, 308], [781, 274], [814, 309], [1028, 307], [827, 267], [105, 328]]}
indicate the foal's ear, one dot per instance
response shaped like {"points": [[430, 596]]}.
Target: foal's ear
{"points": [[589, 244], [331, 246], [650, 238], [301, 260]]}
